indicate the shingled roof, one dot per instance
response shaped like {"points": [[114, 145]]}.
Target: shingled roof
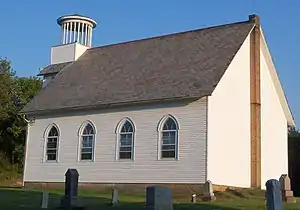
{"points": [[53, 69], [176, 66]]}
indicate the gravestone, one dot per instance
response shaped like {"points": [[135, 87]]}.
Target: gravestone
{"points": [[158, 198], [71, 183], [114, 197], [44, 200], [70, 200], [273, 195], [208, 191], [286, 192]]}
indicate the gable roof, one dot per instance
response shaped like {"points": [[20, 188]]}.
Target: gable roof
{"points": [[177, 66]]}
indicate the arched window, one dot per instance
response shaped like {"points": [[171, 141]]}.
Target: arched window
{"points": [[52, 144], [126, 142], [87, 143], [169, 138]]}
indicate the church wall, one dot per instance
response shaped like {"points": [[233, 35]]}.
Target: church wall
{"points": [[145, 168], [229, 124], [274, 158]]}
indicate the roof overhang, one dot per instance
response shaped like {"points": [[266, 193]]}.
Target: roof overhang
{"points": [[187, 99]]}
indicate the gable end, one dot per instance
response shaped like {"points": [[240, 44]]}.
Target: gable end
{"points": [[276, 81]]}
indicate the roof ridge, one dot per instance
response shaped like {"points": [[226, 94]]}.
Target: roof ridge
{"points": [[169, 35]]}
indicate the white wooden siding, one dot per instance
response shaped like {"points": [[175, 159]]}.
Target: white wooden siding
{"points": [[146, 168], [274, 159], [229, 124]]}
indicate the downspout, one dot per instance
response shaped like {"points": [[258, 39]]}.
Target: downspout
{"points": [[24, 117]]}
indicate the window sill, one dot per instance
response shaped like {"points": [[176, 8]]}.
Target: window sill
{"points": [[124, 160], [168, 159], [86, 161], [51, 161]]}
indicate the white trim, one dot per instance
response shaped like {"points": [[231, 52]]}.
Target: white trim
{"points": [[82, 126], [46, 133], [276, 81], [25, 154], [79, 134], [118, 132], [77, 18], [159, 141]]}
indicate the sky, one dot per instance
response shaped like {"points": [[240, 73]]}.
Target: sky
{"points": [[29, 28]]}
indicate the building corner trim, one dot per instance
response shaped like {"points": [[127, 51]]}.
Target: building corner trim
{"points": [[255, 104]]}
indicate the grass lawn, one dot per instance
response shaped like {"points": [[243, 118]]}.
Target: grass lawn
{"points": [[25, 199]]}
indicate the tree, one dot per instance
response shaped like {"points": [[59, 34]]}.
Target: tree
{"points": [[25, 89], [294, 159], [15, 92], [6, 87]]}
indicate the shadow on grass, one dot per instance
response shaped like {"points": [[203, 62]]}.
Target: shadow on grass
{"points": [[10, 187], [204, 206], [23, 199], [237, 193]]}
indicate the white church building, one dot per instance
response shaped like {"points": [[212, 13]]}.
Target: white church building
{"points": [[182, 108]]}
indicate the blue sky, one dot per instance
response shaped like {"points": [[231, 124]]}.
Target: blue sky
{"points": [[29, 28]]}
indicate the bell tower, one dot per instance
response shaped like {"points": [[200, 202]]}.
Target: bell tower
{"points": [[75, 38], [76, 28]]}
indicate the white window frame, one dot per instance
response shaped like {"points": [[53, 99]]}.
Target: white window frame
{"points": [[118, 141], [80, 138], [160, 138], [46, 136]]}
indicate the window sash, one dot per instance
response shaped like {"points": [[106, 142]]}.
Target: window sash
{"points": [[86, 156], [87, 147], [49, 157], [51, 145], [52, 148], [168, 147], [126, 145], [125, 155], [87, 150], [51, 151], [169, 144], [168, 154]]}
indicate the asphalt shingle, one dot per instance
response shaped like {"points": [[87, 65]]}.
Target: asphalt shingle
{"points": [[177, 66], [53, 69]]}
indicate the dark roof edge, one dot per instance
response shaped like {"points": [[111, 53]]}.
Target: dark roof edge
{"points": [[114, 105], [168, 35], [39, 74], [42, 74]]}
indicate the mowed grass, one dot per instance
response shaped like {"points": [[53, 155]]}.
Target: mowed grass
{"points": [[25, 199]]}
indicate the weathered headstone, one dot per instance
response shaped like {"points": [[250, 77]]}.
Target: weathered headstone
{"points": [[70, 200], [114, 197], [159, 198], [44, 200], [208, 191], [286, 192], [273, 195]]}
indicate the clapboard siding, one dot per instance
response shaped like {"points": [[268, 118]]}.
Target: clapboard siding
{"points": [[145, 168]]}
